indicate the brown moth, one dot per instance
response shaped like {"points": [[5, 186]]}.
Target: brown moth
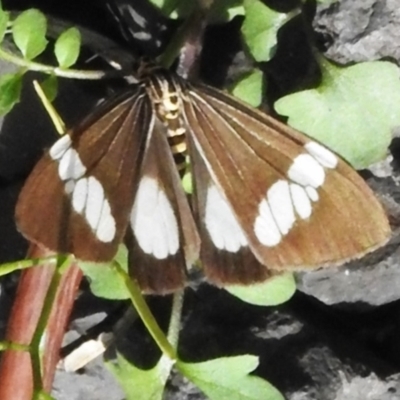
{"points": [[266, 197]]}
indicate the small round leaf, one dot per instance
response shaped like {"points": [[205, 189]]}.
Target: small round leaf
{"points": [[10, 90], [67, 47], [29, 33]]}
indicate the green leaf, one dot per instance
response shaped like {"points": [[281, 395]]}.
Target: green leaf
{"points": [[352, 112], [10, 91], [29, 33], [67, 47], [4, 18], [50, 87], [226, 10], [274, 291], [250, 88], [260, 29], [227, 378], [141, 384], [105, 281]]}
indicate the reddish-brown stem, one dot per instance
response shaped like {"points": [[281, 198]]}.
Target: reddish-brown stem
{"points": [[16, 378]]}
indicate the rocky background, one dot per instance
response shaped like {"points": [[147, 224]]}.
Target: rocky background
{"points": [[338, 338]]}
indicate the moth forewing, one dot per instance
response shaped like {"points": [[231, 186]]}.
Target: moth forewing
{"points": [[298, 204], [78, 197]]}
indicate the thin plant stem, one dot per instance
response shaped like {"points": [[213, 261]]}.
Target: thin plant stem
{"points": [[60, 72], [146, 315], [7, 268], [38, 338], [175, 320]]}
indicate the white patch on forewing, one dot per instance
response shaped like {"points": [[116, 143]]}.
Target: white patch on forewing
{"points": [[312, 193], [301, 201], [89, 201], [287, 199], [87, 194], [225, 232], [60, 147], [153, 220], [94, 202], [306, 171], [265, 226], [79, 195], [70, 166], [324, 156], [281, 206]]}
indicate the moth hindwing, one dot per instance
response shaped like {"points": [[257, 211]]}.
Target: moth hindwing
{"points": [[266, 197]]}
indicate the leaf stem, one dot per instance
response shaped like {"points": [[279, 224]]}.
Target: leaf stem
{"points": [[7, 268], [146, 315], [175, 320], [60, 72]]}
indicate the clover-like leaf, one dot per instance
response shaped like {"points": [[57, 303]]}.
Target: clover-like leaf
{"points": [[228, 378], [67, 47], [352, 112], [139, 384], [10, 91], [274, 291], [249, 88], [29, 33], [260, 28], [105, 281]]}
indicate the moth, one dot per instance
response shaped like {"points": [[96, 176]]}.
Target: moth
{"points": [[266, 198]]}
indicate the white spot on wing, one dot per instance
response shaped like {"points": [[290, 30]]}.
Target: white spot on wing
{"points": [[306, 171], [88, 200], [79, 195], [265, 227], [70, 166], [94, 202], [301, 201], [324, 156], [280, 203], [312, 193], [225, 232], [153, 220], [69, 187], [60, 147], [106, 228]]}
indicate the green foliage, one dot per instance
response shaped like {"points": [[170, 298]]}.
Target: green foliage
{"points": [[228, 378], [10, 89], [105, 281], [352, 111], [221, 378], [139, 384], [260, 28], [67, 47], [29, 33], [249, 88], [274, 291], [50, 87]]}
